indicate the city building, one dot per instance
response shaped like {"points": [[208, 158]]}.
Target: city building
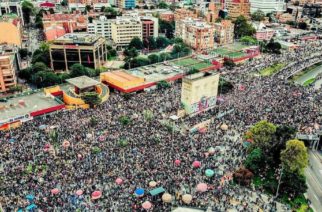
{"points": [[237, 8], [303, 2], [167, 16], [224, 32], [11, 29], [57, 25], [196, 33], [150, 27], [124, 29], [101, 26], [199, 92], [126, 4], [8, 68], [183, 13], [11, 6], [81, 4], [213, 12], [268, 6], [262, 32], [86, 49]]}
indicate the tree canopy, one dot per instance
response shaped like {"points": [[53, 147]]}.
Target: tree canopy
{"points": [[295, 156], [136, 43], [243, 28], [27, 10], [258, 15], [91, 98], [262, 133]]}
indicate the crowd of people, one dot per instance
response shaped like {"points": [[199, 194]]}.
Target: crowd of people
{"points": [[54, 156]]}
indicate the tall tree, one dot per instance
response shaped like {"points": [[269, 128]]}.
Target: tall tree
{"points": [[295, 156], [163, 5], [262, 133], [162, 42], [136, 43], [243, 28], [27, 10], [258, 15]]}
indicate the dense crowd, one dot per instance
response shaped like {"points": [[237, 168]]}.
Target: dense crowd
{"points": [[94, 158]]}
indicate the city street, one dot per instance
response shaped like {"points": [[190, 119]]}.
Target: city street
{"points": [[314, 181]]}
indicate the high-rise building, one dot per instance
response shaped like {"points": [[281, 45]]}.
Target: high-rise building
{"points": [[124, 29], [102, 26], [81, 4], [224, 32], [196, 33], [7, 72], [237, 8], [126, 4], [267, 6], [86, 49]]}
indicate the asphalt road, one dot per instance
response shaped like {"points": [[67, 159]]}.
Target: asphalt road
{"points": [[314, 180]]}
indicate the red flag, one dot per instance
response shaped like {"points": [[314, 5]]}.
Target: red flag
{"points": [[88, 59]]}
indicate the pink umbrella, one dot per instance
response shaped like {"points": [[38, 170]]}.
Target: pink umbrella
{"points": [[101, 138], [79, 192], [177, 162], [79, 156], [202, 187], [96, 195], [66, 144], [146, 205], [119, 181], [55, 191], [196, 164]]}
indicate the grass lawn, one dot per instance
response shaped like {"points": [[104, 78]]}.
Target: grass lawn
{"points": [[220, 51], [301, 73], [309, 82], [235, 54], [186, 62], [271, 70], [200, 66]]}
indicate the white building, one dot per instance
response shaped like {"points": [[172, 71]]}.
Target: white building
{"points": [[267, 6], [11, 6], [125, 29], [102, 26]]}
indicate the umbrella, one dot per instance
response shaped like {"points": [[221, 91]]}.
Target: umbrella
{"points": [[96, 195], [119, 181], [196, 164], [177, 162], [79, 192], [11, 140], [31, 207], [211, 150], [224, 127], [55, 191], [187, 198], [167, 198], [42, 127], [209, 172], [202, 187], [250, 140], [30, 197], [152, 184], [66, 144], [146, 205], [246, 144], [139, 191], [101, 138]]}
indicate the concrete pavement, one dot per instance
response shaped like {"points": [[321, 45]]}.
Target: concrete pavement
{"points": [[314, 181]]}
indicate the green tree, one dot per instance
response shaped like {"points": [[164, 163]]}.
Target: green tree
{"points": [[77, 70], [27, 10], [292, 184], [154, 58], [91, 98], [64, 3], [162, 42], [273, 47], [262, 133], [130, 53], [243, 28], [23, 52], [136, 43], [163, 5], [45, 79], [163, 84], [39, 66], [41, 54], [150, 43], [254, 160], [167, 28], [25, 73], [224, 86], [125, 120], [165, 56], [192, 71], [110, 12], [295, 156], [148, 115], [258, 15], [229, 63]]}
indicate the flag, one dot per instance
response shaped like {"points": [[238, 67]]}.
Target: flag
{"points": [[88, 59]]}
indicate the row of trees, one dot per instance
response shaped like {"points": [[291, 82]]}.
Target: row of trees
{"points": [[132, 58], [150, 43], [275, 157]]}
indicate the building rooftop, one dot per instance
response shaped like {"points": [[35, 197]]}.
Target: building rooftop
{"points": [[198, 76], [83, 82], [77, 38]]}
